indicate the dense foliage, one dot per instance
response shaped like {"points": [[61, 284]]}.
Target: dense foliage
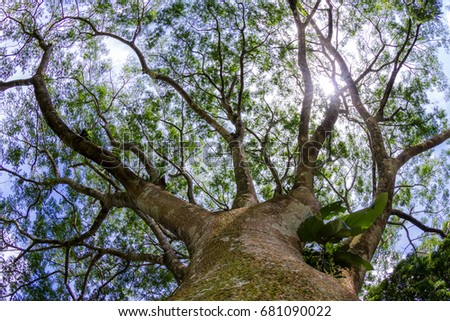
{"points": [[417, 278]]}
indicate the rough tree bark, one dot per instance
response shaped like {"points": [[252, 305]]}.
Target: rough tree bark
{"points": [[254, 254]]}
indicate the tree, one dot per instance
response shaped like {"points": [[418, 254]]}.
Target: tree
{"points": [[417, 278], [187, 172]]}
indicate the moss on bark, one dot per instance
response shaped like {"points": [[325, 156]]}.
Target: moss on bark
{"points": [[247, 256]]}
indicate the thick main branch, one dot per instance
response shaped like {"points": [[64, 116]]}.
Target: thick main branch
{"points": [[426, 145]]}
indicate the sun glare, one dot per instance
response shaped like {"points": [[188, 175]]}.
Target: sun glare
{"points": [[325, 85]]}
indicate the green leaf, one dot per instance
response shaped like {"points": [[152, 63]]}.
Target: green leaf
{"points": [[348, 259], [361, 220], [334, 231], [301, 9], [331, 210], [309, 229]]}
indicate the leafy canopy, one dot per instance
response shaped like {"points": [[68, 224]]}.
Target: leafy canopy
{"points": [[417, 278], [199, 74]]}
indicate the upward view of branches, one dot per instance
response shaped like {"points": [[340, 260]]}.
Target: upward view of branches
{"points": [[228, 124]]}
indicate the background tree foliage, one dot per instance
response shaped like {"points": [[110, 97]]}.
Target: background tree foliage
{"points": [[417, 278], [224, 104]]}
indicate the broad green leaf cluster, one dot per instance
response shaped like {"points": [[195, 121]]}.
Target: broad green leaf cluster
{"points": [[326, 232]]}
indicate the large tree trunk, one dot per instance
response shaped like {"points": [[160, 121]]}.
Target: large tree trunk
{"points": [[254, 254]]}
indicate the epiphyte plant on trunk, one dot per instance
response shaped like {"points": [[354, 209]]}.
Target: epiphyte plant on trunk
{"points": [[331, 235]]}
